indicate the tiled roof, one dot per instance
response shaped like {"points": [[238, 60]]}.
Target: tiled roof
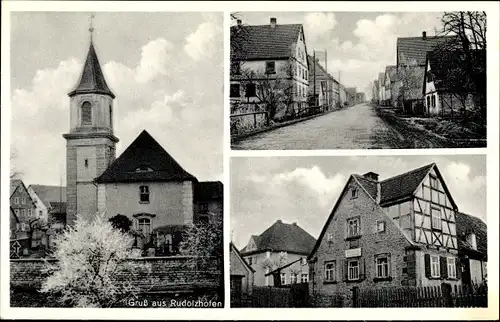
{"points": [[208, 190], [145, 160], [415, 48], [284, 237], [49, 194], [264, 42], [13, 185], [57, 207], [238, 254], [467, 224], [402, 185], [444, 63], [92, 79], [369, 185]]}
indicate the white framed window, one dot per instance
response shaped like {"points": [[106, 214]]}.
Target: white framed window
{"points": [[354, 193], [353, 270], [382, 266], [451, 267], [250, 260], [380, 226], [329, 237], [436, 218], [40, 213], [283, 278], [16, 200], [23, 226], [293, 278], [283, 255], [303, 261], [353, 227], [16, 211], [330, 271], [145, 227], [435, 269], [144, 193], [23, 200], [304, 278], [434, 182]]}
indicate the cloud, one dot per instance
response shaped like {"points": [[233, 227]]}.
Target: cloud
{"points": [[200, 44], [319, 24], [154, 58]]}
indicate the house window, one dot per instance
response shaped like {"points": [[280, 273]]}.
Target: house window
{"points": [[434, 182], [436, 218], [428, 101], [352, 227], [283, 278], [303, 261], [86, 161], [235, 68], [23, 226], [435, 269], [203, 207], [380, 226], [16, 200], [353, 270], [145, 227], [293, 278], [270, 67], [354, 193], [451, 267], [144, 193], [304, 278], [255, 259], [330, 271], [86, 113], [249, 260], [234, 90], [306, 74], [382, 266], [23, 200], [330, 237], [250, 90], [40, 213], [110, 116], [16, 211]]}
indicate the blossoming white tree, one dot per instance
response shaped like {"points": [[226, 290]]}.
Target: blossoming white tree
{"points": [[91, 263]]}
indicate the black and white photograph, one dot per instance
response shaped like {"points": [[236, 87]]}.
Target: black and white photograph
{"points": [[359, 231], [357, 80], [116, 192]]}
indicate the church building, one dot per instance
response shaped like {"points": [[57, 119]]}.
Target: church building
{"points": [[145, 183]]}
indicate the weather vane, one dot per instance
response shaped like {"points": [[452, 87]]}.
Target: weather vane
{"points": [[91, 29]]}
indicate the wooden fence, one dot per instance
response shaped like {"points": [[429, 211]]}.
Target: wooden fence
{"points": [[294, 295], [427, 296]]}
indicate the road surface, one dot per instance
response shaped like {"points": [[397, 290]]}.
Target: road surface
{"points": [[356, 127]]}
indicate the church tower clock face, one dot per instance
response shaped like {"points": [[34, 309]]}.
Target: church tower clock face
{"points": [[90, 142]]}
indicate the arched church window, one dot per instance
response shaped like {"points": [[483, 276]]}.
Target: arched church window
{"points": [[86, 113]]}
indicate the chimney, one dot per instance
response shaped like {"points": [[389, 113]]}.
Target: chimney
{"points": [[238, 22], [294, 224], [424, 35], [371, 175], [273, 22], [279, 221]]}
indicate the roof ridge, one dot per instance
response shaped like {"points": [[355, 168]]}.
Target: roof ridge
{"points": [[410, 171]]}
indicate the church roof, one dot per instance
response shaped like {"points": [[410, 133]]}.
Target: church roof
{"points": [[92, 79], [145, 160]]}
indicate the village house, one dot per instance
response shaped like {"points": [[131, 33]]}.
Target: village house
{"points": [[281, 249], [360, 98], [342, 95], [390, 86], [401, 231], [411, 64], [449, 89], [271, 56], [323, 85], [242, 277], [23, 211], [472, 248], [351, 96], [144, 183], [375, 91]]}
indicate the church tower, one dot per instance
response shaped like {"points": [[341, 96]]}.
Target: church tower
{"points": [[90, 143]]}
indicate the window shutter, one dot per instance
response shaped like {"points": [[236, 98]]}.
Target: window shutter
{"points": [[346, 270], [362, 265], [458, 268], [443, 266], [427, 260]]}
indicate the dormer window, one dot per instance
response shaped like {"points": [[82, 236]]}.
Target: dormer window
{"points": [[86, 113]]}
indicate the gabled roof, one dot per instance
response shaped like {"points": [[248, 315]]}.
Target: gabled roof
{"points": [[145, 160], [92, 79], [415, 48], [449, 64], [264, 42], [14, 184], [49, 194], [208, 190], [390, 71], [467, 224], [233, 248], [319, 68], [283, 237]]}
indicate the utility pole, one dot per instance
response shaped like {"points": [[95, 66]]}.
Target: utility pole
{"points": [[327, 83]]}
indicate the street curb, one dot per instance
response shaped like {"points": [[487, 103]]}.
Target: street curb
{"points": [[236, 138]]}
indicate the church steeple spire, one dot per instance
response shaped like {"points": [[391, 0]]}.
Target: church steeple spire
{"points": [[92, 79]]}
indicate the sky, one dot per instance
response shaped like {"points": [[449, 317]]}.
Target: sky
{"points": [[305, 189], [359, 44], [166, 70]]}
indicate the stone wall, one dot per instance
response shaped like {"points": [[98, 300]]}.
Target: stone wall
{"points": [[150, 274]]}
